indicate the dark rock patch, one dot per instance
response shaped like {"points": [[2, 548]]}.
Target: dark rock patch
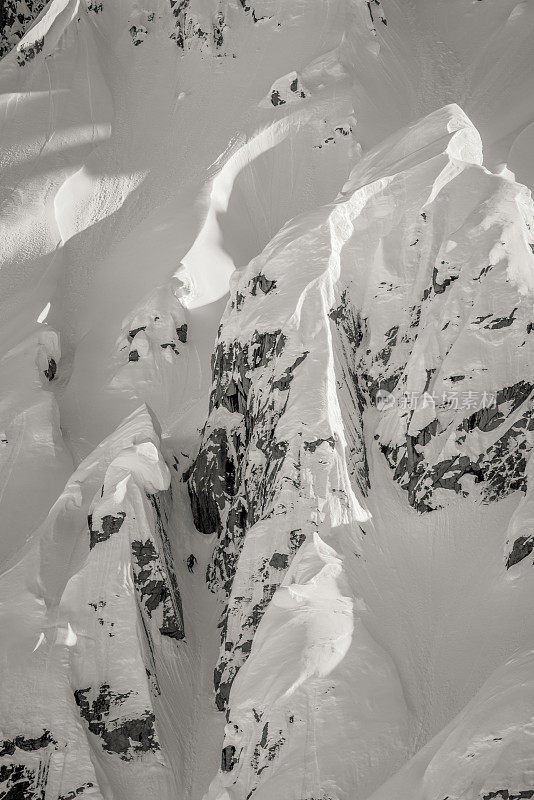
{"points": [[523, 546], [126, 738], [263, 283], [50, 372], [133, 333], [181, 333], [501, 322], [228, 758], [110, 525], [18, 782], [76, 792], [29, 51], [7, 747], [279, 560], [312, 446]]}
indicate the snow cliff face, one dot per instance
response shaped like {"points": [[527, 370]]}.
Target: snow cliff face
{"points": [[266, 412], [107, 603], [279, 449]]}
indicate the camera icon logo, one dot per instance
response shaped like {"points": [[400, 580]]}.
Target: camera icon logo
{"points": [[384, 400]]}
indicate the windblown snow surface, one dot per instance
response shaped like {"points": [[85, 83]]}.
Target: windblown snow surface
{"points": [[266, 400]]}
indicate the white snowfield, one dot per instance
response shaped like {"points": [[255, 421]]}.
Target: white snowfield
{"points": [[266, 400]]}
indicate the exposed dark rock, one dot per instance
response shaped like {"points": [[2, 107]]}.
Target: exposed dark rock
{"points": [[29, 51], [52, 369], [138, 35], [222, 688], [211, 482], [127, 738], [76, 792], [501, 322], [155, 579], [133, 333], [249, 10], [110, 525], [227, 496], [181, 333], [15, 19], [187, 30], [376, 5], [18, 782], [279, 560], [296, 539], [483, 272], [263, 283], [353, 338], [218, 29], [283, 383], [7, 747], [312, 446], [501, 469], [227, 758], [523, 546], [267, 748], [171, 346]]}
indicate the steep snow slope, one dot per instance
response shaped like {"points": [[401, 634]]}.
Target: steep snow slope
{"points": [[385, 289], [32, 449], [87, 611], [287, 571], [485, 752]]}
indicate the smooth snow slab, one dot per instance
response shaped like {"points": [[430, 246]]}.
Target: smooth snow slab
{"points": [[485, 752]]}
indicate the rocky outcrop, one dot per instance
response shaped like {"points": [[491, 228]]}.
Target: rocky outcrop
{"points": [[448, 426], [111, 604], [271, 445], [15, 18], [192, 26], [152, 348], [519, 544], [316, 359]]}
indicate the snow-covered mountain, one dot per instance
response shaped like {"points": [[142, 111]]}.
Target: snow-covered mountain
{"points": [[266, 408]]}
